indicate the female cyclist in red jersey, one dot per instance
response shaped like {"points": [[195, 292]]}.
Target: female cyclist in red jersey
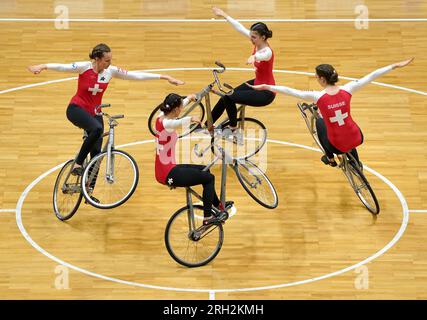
{"points": [[182, 175], [94, 77], [338, 132], [262, 59]]}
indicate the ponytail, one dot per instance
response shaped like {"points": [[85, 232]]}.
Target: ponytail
{"points": [[262, 29], [171, 102]]}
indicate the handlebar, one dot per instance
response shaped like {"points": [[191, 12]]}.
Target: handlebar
{"points": [[218, 83], [219, 64], [306, 106], [98, 112]]}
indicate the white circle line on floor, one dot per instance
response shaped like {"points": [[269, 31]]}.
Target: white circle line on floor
{"points": [[398, 235]]}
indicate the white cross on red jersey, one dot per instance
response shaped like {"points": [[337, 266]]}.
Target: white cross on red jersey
{"points": [[91, 87], [343, 132]]}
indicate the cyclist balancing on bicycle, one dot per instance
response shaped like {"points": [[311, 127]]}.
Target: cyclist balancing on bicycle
{"points": [[94, 77], [337, 131], [182, 175], [262, 59]]}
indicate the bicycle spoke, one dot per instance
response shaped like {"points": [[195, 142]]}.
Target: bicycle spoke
{"points": [[181, 245], [256, 184], [111, 191]]}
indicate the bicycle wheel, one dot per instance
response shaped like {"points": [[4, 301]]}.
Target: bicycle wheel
{"points": [[361, 187], [110, 191], [192, 109], [247, 141], [256, 184], [187, 247], [66, 193]]}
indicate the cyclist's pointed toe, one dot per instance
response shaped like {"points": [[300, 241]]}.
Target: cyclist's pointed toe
{"points": [[77, 171]]}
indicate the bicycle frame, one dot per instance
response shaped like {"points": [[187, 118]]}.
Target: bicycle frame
{"points": [[205, 94], [189, 191], [108, 147]]}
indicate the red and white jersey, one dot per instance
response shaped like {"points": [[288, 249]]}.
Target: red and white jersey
{"points": [[91, 85], [343, 132], [166, 139], [264, 58], [263, 67], [165, 151]]}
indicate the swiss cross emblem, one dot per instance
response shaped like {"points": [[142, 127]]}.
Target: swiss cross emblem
{"points": [[95, 89], [339, 117]]}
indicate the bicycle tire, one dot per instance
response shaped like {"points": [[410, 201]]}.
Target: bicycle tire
{"points": [[252, 126], [57, 204], [250, 177], [100, 192], [184, 237], [357, 175]]}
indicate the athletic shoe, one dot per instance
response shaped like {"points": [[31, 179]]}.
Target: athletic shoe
{"points": [[77, 171], [326, 161]]}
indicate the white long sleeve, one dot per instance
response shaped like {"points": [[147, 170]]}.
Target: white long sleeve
{"points": [[264, 54], [353, 86], [132, 75], [311, 96], [172, 124], [239, 27], [75, 67]]}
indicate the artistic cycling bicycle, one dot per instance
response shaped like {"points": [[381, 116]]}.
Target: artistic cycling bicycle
{"points": [[190, 242], [247, 140], [109, 179], [352, 169]]}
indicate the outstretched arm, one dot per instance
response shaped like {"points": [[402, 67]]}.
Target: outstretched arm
{"points": [[353, 86], [137, 75], [236, 24], [311, 96], [172, 124], [75, 67]]}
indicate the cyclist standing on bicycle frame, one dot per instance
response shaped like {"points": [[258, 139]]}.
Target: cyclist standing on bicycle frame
{"points": [[262, 59], [338, 133], [94, 77], [181, 175]]}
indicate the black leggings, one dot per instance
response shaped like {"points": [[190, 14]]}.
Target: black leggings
{"points": [[327, 146], [187, 175], [242, 95], [93, 125]]}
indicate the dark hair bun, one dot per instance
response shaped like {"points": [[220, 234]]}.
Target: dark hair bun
{"points": [[334, 78], [327, 72], [262, 29], [165, 108], [171, 102]]}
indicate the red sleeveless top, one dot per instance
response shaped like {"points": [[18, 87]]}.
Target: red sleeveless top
{"points": [[165, 152], [264, 70], [343, 132]]}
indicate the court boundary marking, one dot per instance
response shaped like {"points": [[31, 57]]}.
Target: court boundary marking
{"points": [[209, 69], [212, 20], [212, 292], [7, 210]]}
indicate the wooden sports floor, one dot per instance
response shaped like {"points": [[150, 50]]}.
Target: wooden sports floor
{"points": [[319, 243]]}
